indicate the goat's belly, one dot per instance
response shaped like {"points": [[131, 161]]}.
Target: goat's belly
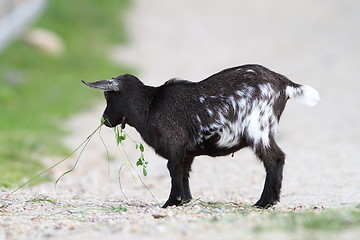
{"points": [[210, 147]]}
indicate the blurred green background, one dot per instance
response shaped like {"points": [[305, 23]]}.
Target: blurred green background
{"points": [[39, 89]]}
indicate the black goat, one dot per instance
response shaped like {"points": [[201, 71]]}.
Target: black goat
{"points": [[235, 108]]}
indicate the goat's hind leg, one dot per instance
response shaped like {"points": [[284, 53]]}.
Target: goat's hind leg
{"points": [[273, 159]]}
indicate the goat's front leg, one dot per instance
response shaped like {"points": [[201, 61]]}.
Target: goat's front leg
{"points": [[186, 175], [176, 170]]}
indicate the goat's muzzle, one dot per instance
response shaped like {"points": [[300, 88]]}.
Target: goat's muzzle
{"points": [[106, 122]]}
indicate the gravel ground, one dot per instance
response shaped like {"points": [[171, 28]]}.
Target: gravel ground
{"points": [[313, 43]]}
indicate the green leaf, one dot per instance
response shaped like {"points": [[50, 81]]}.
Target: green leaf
{"points": [[144, 172], [139, 162], [141, 148]]}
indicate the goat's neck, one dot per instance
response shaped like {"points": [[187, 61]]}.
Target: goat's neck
{"points": [[138, 110]]}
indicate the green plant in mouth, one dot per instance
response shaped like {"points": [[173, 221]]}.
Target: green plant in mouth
{"points": [[141, 161], [120, 136]]}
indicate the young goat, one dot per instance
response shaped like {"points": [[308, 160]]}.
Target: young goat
{"points": [[235, 108]]}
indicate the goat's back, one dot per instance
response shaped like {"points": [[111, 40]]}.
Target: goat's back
{"points": [[237, 106]]}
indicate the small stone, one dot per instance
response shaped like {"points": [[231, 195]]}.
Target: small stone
{"points": [[36, 219], [76, 197], [319, 207], [159, 215]]}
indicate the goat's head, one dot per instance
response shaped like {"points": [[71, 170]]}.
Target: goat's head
{"points": [[116, 91]]}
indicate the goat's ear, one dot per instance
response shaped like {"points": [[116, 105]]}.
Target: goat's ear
{"points": [[105, 85]]}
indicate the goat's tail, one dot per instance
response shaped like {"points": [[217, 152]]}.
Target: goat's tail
{"points": [[303, 93]]}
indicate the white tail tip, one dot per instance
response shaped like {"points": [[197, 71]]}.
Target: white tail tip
{"points": [[304, 94]]}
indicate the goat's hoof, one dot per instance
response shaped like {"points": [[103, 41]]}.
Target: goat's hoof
{"points": [[172, 202], [264, 204]]}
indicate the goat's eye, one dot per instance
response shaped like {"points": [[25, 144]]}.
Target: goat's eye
{"points": [[105, 94]]}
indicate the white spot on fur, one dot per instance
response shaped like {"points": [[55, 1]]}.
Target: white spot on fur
{"points": [[253, 127], [198, 119], [211, 113], [202, 99], [255, 117], [246, 92], [222, 119], [249, 91], [266, 90], [233, 102], [239, 93], [259, 122], [227, 138], [250, 70]]}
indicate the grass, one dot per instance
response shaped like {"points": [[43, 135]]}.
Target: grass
{"points": [[247, 219], [38, 91], [35, 200], [330, 220], [286, 221]]}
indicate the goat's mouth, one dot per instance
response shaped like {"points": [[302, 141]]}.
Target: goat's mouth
{"points": [[106, 122]]}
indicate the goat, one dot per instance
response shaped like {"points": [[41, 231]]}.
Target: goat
{"points": [[236, 108]]}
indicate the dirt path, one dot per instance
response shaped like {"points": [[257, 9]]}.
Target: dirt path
{"points": [[311, 43]]}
